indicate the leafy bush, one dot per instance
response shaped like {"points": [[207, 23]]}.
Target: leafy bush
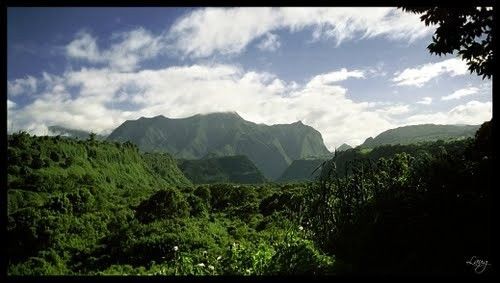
{"points": [[164, 204]]}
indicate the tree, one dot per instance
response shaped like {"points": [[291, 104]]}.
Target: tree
{"points": [[92, 136], [467, 31]]}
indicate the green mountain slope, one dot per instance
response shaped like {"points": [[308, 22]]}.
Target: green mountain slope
{"points": [[435, 148], [49, 166], [301, 170], [226, 169], [270, 148], [421, 133]]}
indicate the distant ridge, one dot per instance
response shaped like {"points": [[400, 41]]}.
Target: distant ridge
{"points": [[271, 148], [420, 133]]}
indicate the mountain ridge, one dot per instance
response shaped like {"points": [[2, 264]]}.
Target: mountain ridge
{"points": [[270, 147], [420, 133]]}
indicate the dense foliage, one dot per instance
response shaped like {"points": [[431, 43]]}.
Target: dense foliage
{"points": [[344, 159], [424, 211], [92, 207], [307, 169]]}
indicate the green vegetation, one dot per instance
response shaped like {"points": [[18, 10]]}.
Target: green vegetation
{"points": [[270, 148], [306, 169], [103, 208], [94, 207], [425, 212], [227, 169], [420, 133], [343, 159]]}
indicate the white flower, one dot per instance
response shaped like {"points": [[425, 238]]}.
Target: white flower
{"points": [[219, 257], [301, 228], [176, 248], [201, 264], [211, 267]]}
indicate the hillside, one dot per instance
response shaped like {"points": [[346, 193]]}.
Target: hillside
{"points": [[301, 170], [435, 148], [49, 166], [420, 133], [270, 148], [225, 169], [100, 208]]}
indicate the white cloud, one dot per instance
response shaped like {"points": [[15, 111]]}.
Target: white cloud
{"points": [[204, 32], [269, 43], [461, 93], [420, 75], [334, 77], [473, 112], [125, 54], [24, 86], [10, 104], [105, 98], [425, 100], [207, 31], [84, 46], [99, 100]]}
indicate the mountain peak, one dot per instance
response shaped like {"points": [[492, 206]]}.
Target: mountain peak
{"points": [[270, 148], [155, 117], [344, 147], [225, 113]]}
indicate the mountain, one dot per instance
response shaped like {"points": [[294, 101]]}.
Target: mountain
{"points": [[225, 169], [270, 148], [421, 133], [301, 170], [344, 147], [66, 132]]}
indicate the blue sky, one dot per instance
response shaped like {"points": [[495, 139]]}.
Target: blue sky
{"points": [[350, 73]]}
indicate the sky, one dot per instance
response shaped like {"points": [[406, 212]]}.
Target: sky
{"points": [[350, 73]]}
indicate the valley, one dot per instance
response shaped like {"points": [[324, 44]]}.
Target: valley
{"points": [[109, 206]]}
